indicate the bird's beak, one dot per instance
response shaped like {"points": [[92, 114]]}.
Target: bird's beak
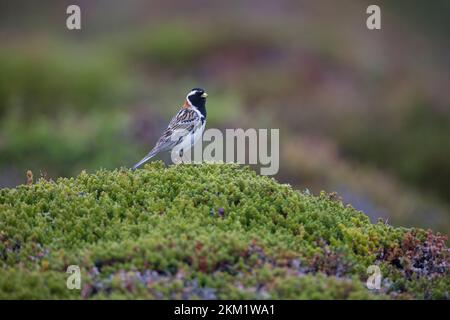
{"points": [[204, 95]]}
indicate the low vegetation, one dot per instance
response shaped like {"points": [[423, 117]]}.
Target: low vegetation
{"points": [[209, 231]]}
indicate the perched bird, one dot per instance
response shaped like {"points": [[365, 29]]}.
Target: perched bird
{"points": [[184, 129]]}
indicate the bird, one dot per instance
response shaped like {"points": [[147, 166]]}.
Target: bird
{"points": [[185, 128]]}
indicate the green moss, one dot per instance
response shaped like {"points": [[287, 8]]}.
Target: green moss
{"points": [[204, 231]]}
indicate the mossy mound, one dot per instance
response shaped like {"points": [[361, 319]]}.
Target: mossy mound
{"points": [[205, 231]]}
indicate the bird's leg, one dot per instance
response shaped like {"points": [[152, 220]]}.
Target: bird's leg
{"points": [[181, 155]]}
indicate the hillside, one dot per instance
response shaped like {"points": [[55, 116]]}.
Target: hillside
{"points": [[210, 231]]}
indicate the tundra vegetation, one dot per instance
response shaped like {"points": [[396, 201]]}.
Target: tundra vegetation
{"points": [[204, 231]]}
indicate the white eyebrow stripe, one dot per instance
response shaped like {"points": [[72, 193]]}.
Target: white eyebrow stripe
{"points": [[192, 92], [187, 98]]}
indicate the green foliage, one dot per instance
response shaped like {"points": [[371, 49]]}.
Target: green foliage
{"points": [[57, 147], [179, 45], [53, 81], [203, 231], [171, 45], [409, 147], [60, 111]]}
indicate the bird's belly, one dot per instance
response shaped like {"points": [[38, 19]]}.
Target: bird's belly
{"points": [[190, 139]]}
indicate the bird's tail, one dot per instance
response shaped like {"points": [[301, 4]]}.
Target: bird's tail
{"points": [[145, 159]]}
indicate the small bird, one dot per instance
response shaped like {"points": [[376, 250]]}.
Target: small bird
{"points": [[184, 129]]}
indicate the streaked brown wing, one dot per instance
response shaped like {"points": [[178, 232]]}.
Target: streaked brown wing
{"points": [[185, 119], [184, 115]]}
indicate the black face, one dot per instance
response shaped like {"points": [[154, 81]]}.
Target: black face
{"points": [[197, 97]]}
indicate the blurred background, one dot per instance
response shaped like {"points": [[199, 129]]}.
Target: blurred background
{"points": [[363, 113]]}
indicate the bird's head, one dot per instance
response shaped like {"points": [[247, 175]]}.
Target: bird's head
{"points": [[196, 98]]}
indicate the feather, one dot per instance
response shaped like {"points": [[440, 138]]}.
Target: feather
{"points": [[185, 122]]}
